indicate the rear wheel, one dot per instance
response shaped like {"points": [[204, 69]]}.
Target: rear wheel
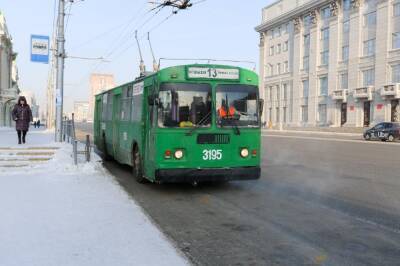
{"points": [[390, 138], [137, 166], [367, 136]]}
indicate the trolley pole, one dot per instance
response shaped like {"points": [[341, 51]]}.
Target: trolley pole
{"points": [[60, 70]]}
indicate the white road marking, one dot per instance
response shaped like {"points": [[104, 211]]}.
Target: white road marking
{"points": [[332, 139]]}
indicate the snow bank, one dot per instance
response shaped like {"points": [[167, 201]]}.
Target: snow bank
{"points": [[60, 214]]}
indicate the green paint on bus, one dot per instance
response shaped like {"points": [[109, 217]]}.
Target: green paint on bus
{"points": [[189, 123]]}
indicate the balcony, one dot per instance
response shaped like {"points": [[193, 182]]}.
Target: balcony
{"points": [[391, 90], [363, 93], [339, 95]]}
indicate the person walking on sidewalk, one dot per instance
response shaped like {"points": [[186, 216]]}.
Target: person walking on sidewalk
{"points": [[22, 115]]}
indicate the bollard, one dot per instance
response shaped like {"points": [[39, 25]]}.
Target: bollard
{"points": [[87, 148], [75, 151]]}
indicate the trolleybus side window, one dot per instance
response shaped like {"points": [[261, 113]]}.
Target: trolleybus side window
{"points": [[184, 105], [237, 105], [109, 109], [126, 103], [104, 107], [136, 109]]}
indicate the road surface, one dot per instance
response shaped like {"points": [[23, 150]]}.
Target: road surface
{"points": [[321, 200]]}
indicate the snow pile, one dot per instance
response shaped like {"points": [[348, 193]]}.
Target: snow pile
{"points": [[60, 214]]}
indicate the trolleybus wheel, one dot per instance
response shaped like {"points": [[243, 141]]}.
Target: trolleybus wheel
{"points": [[137, 166]]}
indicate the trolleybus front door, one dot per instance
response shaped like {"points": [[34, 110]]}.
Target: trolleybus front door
{"points": [[150, 126]]}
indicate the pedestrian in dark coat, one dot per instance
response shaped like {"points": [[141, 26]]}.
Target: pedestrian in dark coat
{"points": [[22, 115]]}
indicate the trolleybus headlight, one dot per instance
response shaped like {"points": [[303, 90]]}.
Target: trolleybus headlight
{"points": [[178, 154], [244, 152]]}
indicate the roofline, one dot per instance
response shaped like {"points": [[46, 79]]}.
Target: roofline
{"points": [[290, 15]]}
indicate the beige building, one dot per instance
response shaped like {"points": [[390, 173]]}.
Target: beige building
{"points": [[330, 62], [81, 111], [8, 74], [98, 84]]}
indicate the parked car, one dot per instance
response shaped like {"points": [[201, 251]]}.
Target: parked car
{"points": [[386, 131]]}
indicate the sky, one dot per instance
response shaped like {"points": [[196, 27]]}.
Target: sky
{"points": [[220, 29]]}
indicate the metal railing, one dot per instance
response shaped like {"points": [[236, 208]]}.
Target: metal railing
{"points": [[69, 136]]}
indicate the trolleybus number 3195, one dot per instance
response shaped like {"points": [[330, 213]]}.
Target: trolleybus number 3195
{"points": [[212, 155]]}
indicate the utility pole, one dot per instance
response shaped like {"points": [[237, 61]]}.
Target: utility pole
{"points": [[60, 70]]}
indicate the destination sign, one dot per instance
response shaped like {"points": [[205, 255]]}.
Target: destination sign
{"points": [[213, 73]]}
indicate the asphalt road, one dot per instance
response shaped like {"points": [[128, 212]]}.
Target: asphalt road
{"points": [[321, 200]]}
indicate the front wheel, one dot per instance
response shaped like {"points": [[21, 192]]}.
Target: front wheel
{"points": [[367, 136], [137, 166]]}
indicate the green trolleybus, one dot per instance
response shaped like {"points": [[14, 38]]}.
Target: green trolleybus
{"points": [[190, 123]]}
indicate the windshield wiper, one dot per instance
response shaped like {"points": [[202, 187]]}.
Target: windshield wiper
{"points": [[198, 124], [235, 125]]}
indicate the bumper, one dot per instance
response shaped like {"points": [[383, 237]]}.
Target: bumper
{"points": [[207, 175]]}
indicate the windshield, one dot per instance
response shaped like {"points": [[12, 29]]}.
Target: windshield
{"points": [[237, 105], [184, 105]]}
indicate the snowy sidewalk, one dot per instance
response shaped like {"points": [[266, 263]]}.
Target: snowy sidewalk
{"points": [[54, 213]]}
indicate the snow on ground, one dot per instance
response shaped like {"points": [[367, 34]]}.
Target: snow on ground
{"points": [[59, 214]]}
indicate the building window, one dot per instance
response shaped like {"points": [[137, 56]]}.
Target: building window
{"points": [[346, 27], [270, 115], [270, 93], [369, 47], [306, 63], [278, 49], [370, 19], [278, 93], [346, 5], [271, 50], [396, 73], [284, 115], [271, 69], [324, 46], [306, 44], [344, 81], [304, 114], [396, 40], [324, 58], [369, 77], [277, 115], [396, 9], [305, 88], [278, 68], [286, 67], [285, 92], [322, 115], [277, 32], [345, 53], [323, 86], [286, 46], [307, 22], [325, 34], [325, 13]]}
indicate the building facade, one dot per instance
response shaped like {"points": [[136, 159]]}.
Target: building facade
{"points": [[8, 74], [81, 111], [330, 62], [98, 84]]}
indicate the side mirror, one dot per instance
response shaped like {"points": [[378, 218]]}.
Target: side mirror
{"points": [[261, 106]]}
